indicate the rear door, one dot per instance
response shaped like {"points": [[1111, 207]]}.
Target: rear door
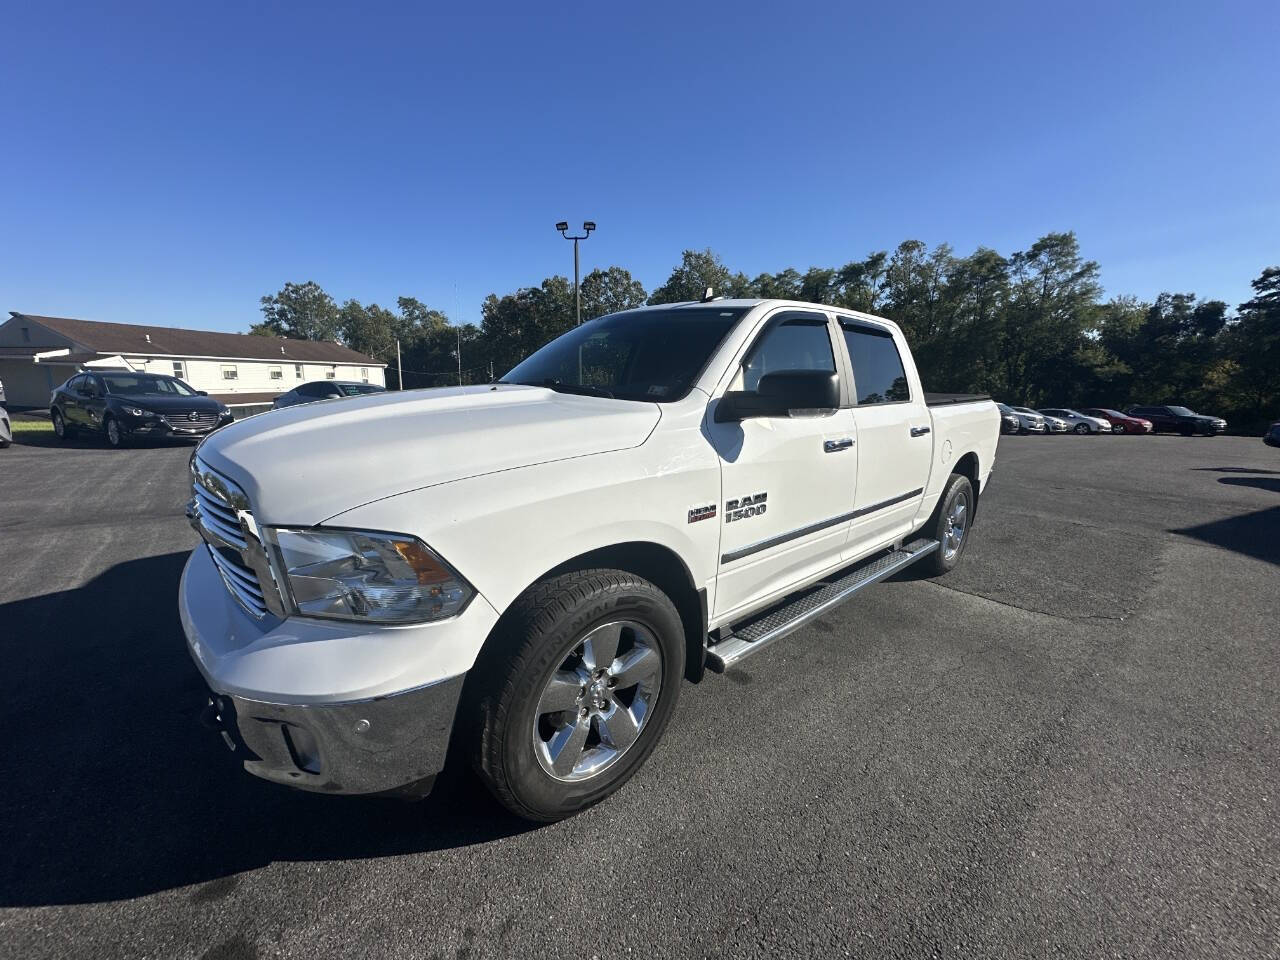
{"points": [[69, 399], [787, 482], [895, 436]]}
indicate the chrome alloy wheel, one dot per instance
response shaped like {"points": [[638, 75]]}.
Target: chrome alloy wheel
{"points": [[113, 432], [598, 700], [957, 521]]}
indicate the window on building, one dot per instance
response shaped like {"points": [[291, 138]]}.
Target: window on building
{"points": [[230, 372], [878, 375], [331, 373], [180, 369], [297, 371], [364, 374], [277, 373]]}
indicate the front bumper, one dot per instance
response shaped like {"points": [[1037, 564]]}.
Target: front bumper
{"points": [[159, 427], [328, 706], [364, 746]]}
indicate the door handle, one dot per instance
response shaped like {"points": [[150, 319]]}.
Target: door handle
{"points": [[834, 446], [919, 431]]}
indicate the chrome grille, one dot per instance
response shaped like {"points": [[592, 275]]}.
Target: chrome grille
{"points": [[240, 580], [183, 421], [220, 512]]}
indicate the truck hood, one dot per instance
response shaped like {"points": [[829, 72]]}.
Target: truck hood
{"points": [[304, 464]]}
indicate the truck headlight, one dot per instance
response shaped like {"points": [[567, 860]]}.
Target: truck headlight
{"points": [[370, 576]]}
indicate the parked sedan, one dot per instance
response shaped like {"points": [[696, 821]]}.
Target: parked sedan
{"points": [[1078, 422], [1009, 421], [1029, 421], [1179, 420], [121, 406], [1055, 424], [1272, 437], [1120, 422], [324, 390], [6, 431]]}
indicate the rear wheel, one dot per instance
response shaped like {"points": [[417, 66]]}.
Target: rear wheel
{"points": [[951, 525], [60, 428], [1082, 428], [574, 692]]}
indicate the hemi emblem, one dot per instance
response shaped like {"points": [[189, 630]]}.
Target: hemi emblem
{"points": [[702, 513]]}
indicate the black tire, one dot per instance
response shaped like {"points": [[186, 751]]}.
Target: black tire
{"points": [[1022, 431], [939, 563], [61, 429], [1188, 431], [1082, 428], [499, 712], [116, 438]]}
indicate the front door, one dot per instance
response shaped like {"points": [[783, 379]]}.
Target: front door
{"points": [[895, 438], [787, 482]]}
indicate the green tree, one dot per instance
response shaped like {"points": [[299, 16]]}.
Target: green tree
{"points": [[299, 310], [515, 325], [371, 330], [698, 270], [1252, 344], [608, 291]]}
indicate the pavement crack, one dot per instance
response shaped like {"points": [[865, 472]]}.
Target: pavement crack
{"points": [[1081, 618]]}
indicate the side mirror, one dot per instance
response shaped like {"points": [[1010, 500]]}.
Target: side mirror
{"points": [[202, 393], [780, 395]]}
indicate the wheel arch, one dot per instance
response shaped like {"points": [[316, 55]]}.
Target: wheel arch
{"points": [[658, 564]]}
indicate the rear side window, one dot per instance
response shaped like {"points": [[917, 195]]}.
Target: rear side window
{"points": [[878, 374], [797, 343]]}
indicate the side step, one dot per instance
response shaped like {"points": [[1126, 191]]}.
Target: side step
{"points": [[760, 631]]}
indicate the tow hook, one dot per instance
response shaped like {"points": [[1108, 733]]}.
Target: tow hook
{"points": [[217, 715]]}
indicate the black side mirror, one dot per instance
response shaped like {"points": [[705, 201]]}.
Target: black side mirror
{"points": [[780, 395], [202, 393]]}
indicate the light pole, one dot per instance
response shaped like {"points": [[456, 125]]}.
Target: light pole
{"points": [[563, 227]]}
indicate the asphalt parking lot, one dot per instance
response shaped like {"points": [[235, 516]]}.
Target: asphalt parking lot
{"points": [[1068, 747]]}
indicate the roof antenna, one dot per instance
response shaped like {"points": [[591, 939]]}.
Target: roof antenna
{"points": [[708, 296]]}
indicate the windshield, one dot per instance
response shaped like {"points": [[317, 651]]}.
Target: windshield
{"points": [[1181, 412], [145, 385], [638, 355], [356, 389]]}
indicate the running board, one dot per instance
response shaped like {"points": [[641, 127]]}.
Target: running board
{"points": [[757, 633]]}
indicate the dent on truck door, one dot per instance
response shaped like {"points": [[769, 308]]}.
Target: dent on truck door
{"points": [[895, 433], [787, 481]]}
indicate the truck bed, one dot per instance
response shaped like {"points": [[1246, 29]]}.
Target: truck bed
{"points": [[944, 399]]}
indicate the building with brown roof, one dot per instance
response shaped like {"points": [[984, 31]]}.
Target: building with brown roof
{"points": [[39, 353]]}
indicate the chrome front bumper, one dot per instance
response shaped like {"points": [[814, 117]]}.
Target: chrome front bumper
{"points": [[365, 746]]}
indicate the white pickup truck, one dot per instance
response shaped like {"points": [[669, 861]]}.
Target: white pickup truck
{"points": [[528, 569]]}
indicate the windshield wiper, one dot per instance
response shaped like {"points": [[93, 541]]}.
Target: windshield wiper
{"points": [[560, 386]]}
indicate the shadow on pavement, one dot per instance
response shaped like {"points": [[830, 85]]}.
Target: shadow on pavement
{"points": [[1254, 534], [1261, 483], [1233, 470], [110, 788]]}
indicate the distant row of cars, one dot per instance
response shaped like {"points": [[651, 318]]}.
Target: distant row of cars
{"points": [[124, 406], [1105, 420]]}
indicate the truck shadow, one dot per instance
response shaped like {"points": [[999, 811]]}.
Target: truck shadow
{"points": [[1254, 534], [110, 788]]}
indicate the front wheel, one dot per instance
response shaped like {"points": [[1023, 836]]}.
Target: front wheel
{"points": [[115, 433], [572, 694], [1082, 428], [951, 525]]}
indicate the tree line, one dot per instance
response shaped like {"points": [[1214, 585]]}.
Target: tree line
{"points": [[1029, 328]]}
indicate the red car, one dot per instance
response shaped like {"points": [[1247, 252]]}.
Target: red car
{"points": [[1120, 422]]}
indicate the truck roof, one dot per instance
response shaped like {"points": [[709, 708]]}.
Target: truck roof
{"points": [[751, 302]]}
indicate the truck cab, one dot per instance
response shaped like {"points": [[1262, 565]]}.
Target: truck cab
{"points": [[532, 567]]}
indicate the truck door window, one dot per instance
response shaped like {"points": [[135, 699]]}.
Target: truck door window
{"points": [[878, 374], [799, 343]]}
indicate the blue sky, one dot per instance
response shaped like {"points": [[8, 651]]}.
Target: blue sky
{"points": [[170, 164]]}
